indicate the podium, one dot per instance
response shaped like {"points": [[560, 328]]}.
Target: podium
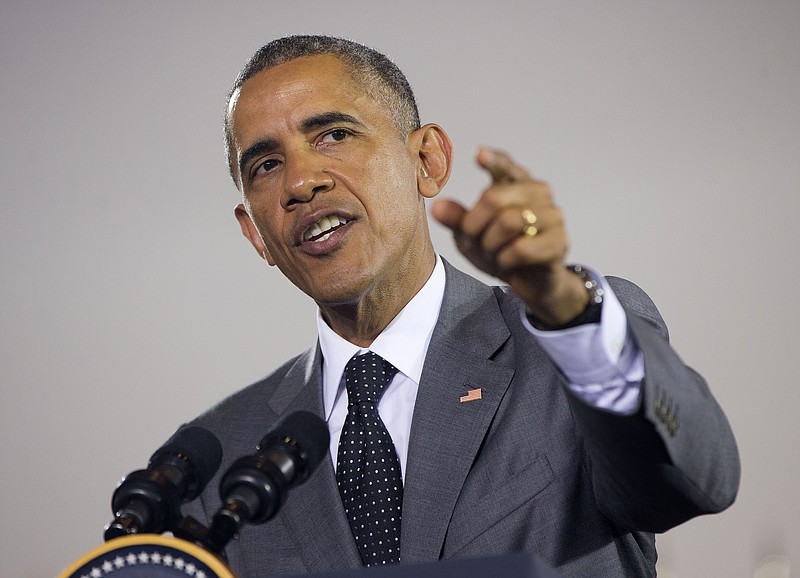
{"points": [[148, 556], [519, 565], [156, 556]]}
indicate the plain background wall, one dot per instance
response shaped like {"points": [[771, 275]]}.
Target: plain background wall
{"points": [[129, 302]]}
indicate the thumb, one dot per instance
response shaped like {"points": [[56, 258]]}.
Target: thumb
{"points": [[448, 213]]}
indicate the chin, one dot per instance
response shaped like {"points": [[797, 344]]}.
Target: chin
{"points": [[339, 291]]}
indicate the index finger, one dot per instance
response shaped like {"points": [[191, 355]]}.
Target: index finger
{"points": [[502, 168]]}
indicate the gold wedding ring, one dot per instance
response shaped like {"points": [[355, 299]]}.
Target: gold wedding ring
{"points": [[529, 220]]}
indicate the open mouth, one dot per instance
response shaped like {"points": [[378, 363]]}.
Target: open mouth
{"points": [[323, 228]]}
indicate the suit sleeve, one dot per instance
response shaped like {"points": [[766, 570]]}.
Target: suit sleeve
{"points": [[674, 458]]}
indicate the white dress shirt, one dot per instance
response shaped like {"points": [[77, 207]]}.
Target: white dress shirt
{"points": [[404, 344], [601, 361]]}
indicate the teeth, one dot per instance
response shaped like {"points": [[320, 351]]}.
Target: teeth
{"points": [[313, 231], [321, 226]]}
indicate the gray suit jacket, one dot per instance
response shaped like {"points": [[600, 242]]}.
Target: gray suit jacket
{"points": [[529, 467]]}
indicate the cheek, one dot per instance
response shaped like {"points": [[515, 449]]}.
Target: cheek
{"points": [[393, 182], [268, 229]]}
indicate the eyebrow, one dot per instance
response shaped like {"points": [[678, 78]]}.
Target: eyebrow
{"points": [[328, 118], [256, 149], [314, 122]]}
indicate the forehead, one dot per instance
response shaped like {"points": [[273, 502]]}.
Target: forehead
{"points": [[295, 89]]}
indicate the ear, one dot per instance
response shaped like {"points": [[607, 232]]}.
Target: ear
{"points": [[435, 152], [250, 231]]}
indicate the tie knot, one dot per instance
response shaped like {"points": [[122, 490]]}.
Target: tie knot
{"points": [[366, 376]]}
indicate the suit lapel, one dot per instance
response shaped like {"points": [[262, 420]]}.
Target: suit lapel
{"points": [[313, 514], [447, 433]]}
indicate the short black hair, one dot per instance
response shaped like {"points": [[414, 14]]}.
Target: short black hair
{"points": [[381, 77]]}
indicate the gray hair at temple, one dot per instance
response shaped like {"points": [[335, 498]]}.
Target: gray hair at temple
{"points": [[382, 79]]}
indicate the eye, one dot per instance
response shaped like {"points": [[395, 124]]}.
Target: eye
{"points": [[264, 167], [337, 135]]}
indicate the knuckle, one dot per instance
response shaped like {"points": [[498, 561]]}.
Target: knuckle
{"points": [[544, 192], [509, 221], [491, 198], [502, 158], [513, 256], [529, 252]]}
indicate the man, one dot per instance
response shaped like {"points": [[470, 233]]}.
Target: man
{"points": [[548, 416]]}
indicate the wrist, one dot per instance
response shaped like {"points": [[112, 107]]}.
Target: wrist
{"points": [[583, 307]]}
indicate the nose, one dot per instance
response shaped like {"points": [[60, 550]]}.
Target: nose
{"points": [[305, 176]]}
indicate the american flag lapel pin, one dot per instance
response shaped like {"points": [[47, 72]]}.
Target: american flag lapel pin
{"points": [[472, 395]]}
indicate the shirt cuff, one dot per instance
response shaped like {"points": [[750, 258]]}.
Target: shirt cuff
{"points": [[601, 362]]}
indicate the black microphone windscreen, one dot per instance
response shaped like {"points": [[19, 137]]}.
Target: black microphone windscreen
{"points": [[200, 448], [308, 430]]}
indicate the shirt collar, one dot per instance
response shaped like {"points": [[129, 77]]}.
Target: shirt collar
{"points": [[403, 343]]}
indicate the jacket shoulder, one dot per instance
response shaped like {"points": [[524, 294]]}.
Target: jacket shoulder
{"points": [[251, 403]]}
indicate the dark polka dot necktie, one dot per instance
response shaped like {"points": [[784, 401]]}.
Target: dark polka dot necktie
{"points": [[367, 470]]}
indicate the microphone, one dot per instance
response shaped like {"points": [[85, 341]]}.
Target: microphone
{"points": [[148, 501], [255, 487]]}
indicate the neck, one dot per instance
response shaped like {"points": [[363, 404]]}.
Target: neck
{"points": [[361, 322]]}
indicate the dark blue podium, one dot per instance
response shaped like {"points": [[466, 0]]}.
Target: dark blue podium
{"points": [[155, 556], [520, 565]]}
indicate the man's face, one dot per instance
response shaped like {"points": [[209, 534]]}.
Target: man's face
{"points": [[329, 184]]}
